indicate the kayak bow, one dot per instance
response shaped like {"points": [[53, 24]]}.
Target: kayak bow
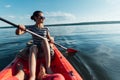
{"points": [[59, 64]]}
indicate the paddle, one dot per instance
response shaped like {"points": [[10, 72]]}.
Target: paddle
{"points": [[69, 50]]}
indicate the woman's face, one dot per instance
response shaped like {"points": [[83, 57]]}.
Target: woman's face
{"points": [[40, 18]]}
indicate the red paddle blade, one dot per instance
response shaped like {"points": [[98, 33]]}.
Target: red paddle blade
{"points": [[70, 50]]}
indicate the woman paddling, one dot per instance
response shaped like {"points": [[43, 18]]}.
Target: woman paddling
{"points": [[39, 45]]}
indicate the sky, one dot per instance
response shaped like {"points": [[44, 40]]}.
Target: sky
{"points": [[60, 11]]}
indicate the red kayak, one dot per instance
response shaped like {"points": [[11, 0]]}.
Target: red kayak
{"points": [[58, 65]]}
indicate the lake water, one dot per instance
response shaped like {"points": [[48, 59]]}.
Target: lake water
{"points": [[98, 56]]}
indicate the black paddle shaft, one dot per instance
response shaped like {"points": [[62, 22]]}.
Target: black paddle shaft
{"points": [[18, 27], [9, 22]]}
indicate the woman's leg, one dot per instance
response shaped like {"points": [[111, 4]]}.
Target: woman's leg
{"points": [[20, 75], [32, 61], [44, 76], [46, 48], [42, 72]]}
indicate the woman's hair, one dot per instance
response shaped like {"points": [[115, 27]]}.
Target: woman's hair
{"points": [[35, 14]]}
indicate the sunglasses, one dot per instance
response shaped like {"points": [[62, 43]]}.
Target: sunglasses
{"points": [[41, 17]]}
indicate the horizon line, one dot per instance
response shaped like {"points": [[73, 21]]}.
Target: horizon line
{"points": [[79, 23], [86, 23]]}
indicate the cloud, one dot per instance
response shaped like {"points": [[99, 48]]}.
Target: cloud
{"points": [[17, 17], [59, 17], [8, 6], [24, 17], [113, 2], [12, 17]]}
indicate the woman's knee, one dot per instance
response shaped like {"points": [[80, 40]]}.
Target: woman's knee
{"points": [[45, 41], [58, 76], [34, 48]]}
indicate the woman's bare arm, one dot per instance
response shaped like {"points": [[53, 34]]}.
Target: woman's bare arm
{"points": [[50, 38]]}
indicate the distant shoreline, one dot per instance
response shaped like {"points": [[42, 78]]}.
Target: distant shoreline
{"points": [[86, 23], [79, 23]]}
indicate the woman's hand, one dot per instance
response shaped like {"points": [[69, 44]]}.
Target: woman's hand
{"points": [[22, 27], [20, 30], [51, 40]]}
